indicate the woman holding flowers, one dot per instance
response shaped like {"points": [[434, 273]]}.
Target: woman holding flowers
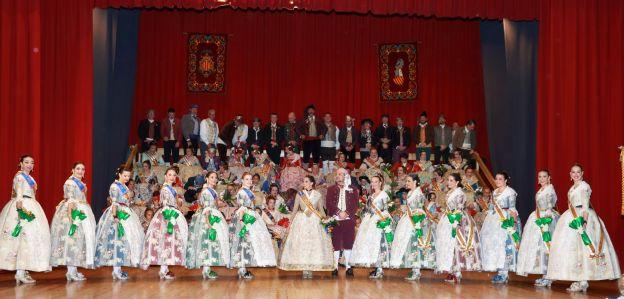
{"points": [[119, 234], [73, 228], [537, 235], [500, 233], [415, 234], [581, 248], [251, 245], [25, 235], [209, 244], [457, 237], [166, 236], [308, 246], [374, 236]]}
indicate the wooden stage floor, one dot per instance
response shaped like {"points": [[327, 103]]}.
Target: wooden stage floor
{"points": [[272, 283]]}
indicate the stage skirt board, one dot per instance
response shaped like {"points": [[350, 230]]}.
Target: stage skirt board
{"points": [[274, 283]]}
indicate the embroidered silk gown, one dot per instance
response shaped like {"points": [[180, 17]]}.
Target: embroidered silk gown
{"points": [[77, 249]]}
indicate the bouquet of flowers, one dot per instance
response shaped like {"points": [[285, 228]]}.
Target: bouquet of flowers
{"points": [[283, 209], [329, 224], [284, 222], [509, 224], [77, 216], [22, 214], [361, 206], [228, 198]]}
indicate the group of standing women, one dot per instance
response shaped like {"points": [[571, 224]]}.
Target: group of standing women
{"points": [[574, 246]]}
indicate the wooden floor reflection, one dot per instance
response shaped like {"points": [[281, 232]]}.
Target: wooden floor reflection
{"points": [[272, 283]]}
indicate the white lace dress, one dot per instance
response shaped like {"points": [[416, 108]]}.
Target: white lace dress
{"points": [[253, 246], [460, 250], [209, 243], [413, 243], [77, 249], [118, 243], [307, 246], [570, 257], [498, 248], [371, 247], [30, 249], [534, 249]]}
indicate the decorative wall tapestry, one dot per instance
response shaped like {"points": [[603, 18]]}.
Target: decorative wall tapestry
{"points": [[206, 63], [398, 71]]}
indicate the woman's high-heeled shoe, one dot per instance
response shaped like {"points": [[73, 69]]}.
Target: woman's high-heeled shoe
{"points": [[120, 276], [75, 277], [452, 278], [247, 275], [209, 275], [578, 287], [166, 276], [377, 274], [413, 276], [24, 279], [500, 279]]}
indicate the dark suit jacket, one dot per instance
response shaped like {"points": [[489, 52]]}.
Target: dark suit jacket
{"points": [[406, 137], [227, 133], [448, 135], [252, 139], [362, 140], [177, 128], [266, 135], [303, 126], [429, 134], [388, 132], [342, 136], [144, 130], [460, 134]]}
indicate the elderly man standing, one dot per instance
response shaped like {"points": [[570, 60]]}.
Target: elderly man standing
{"points": [[342, 202], [209, 135]]}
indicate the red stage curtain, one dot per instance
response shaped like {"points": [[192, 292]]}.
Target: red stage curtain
{"points": [[20, 97], [483, 9], [46, 91], [580, 106], [283, 61]]}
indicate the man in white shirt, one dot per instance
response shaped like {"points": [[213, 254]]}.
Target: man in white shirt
{"points": [[209, 134], [240, 132], [330, 144]]}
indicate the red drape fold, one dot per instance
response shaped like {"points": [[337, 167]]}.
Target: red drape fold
{"points": [[45, 91], [580, 104], [282, 61], [484, 9]]}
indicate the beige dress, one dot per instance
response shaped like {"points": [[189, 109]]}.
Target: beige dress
{"points": [[307, 247]]}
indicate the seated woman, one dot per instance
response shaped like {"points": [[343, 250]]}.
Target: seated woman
{"points": [[438, 186], [273, 218], [403, 162], [400, 178], [292, 173], [236, 164], [422, 164], [274, 191], [263, 166], [189, 159], [373, 165], [189, 165], [152, 155], [457, 162], [471, 184]]}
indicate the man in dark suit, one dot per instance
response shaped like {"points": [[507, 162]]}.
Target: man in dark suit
{"points": [[273, 137], [423, 136], [172, 134], [348, 139], [443, 137], [400, 140], [311, 131], [384, 134], [255, 141], [149, 130], [190, 129], [367, 138]]}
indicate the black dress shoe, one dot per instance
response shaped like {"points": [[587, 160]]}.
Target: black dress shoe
{"points": [[349, 272], [335, 273]]}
